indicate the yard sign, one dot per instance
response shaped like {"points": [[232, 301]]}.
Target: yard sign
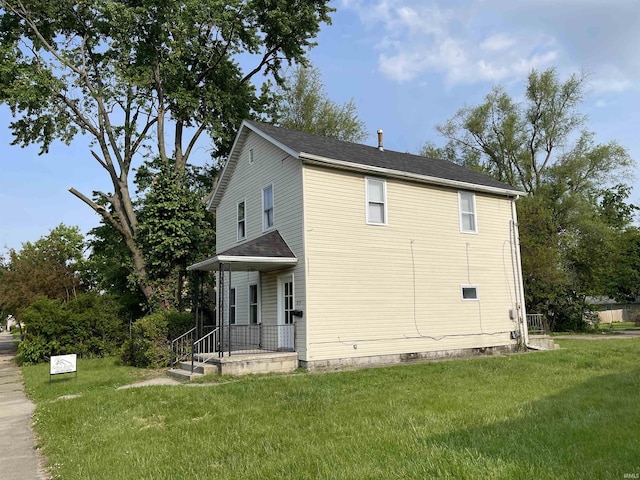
{"points": [[63, 364]]}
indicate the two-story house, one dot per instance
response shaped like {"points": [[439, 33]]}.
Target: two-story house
{"points": [[350, 254]]}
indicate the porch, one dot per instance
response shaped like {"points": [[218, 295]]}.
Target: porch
{"points": [[234, 350]]}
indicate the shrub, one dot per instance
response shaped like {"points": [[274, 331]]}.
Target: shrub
{"points": [[149, 344], [179, 323], [634, 316], [89, 326]]}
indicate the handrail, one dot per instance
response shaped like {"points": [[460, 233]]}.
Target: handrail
{"points": [[208, 344], [181, 346]]}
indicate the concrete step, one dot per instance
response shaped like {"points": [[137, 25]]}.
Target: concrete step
{"points": [[183, 374], [542, 342], [202, 368]]}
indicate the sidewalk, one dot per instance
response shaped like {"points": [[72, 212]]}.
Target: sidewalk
{"points": [[19, 459]]}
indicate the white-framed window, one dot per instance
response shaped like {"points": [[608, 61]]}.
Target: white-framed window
{"points": [[376, 201], [267, 207], [467, 207], [242, 220], [254, 310], [469, 292], [232, 306]]}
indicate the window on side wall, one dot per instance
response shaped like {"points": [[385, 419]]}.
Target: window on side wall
{"points": [[267, 207], [469, 292], [232, 306], [467, 207], [242, 222], [376, 201], [253, 303]]}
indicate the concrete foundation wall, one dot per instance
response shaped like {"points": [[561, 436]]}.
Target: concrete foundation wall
{"points": [[415, 357]]}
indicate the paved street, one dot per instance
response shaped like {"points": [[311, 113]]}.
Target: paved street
{"points": [[18, 458]]}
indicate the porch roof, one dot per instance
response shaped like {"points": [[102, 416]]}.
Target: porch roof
{"points": [[267, 252]]}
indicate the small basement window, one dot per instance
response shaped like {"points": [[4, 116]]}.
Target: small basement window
{"points": [[469, 292]]}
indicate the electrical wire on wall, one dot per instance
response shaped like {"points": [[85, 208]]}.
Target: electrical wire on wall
{"points": [[469, 282]]}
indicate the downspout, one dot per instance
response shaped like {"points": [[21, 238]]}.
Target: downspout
{"points": [[520, 303]]}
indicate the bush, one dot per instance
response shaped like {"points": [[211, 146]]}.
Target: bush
{"points": [[149, 345], [89, 326], [634, 316], [179, 323]]}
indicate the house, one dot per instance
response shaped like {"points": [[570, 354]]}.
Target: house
{"points": [[610, 310], [350, 254]]}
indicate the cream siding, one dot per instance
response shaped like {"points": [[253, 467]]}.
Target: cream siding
{"points": [[396, 288], [273, 166]]}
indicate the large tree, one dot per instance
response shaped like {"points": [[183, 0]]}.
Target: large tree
{"points": [[144, 79], [304, 105], [50, 267], [575, 217]]}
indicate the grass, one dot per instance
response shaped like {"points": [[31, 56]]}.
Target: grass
{"points": [[570, 413], [617, 326]]}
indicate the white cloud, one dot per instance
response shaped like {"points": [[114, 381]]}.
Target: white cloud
{"points": [[502, 40], [497, 42]]}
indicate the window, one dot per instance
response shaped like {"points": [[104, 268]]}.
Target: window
{"points": [[253, 303], [242, 222], [376, 201], [467, 204], [267, 207], [232, 306], [469, 292]]}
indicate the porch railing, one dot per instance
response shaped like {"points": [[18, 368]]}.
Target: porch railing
{"points": [[181, 346], [537, 324], [226, 340], [206, 347]]}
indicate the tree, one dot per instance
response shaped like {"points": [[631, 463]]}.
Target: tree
{"points": [[519, 143], [573, 220], [143, 79], [50, 267], [303, 105]]}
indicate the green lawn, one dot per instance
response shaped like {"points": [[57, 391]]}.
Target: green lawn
{"points": [[571, 413], [617, 326]]}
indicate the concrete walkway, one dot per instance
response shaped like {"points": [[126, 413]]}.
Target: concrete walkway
{"points": [[19, 460]]}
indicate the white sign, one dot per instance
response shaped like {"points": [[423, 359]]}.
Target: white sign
{"points": [[63, 364]]}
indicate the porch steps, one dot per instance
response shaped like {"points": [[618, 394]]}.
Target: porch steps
{"points": [[238, 364], [183, 370]]}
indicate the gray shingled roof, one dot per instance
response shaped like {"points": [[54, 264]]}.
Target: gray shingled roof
{"points": [[268, 245], [370, 156]]}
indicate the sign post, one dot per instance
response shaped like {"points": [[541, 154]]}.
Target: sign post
{"points": [[63, 364]]}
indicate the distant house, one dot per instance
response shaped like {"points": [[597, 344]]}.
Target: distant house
{"points": [[611, 310], [350, 254]]}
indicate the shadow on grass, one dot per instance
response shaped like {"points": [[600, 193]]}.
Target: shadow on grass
{"points": [[589, 431]]}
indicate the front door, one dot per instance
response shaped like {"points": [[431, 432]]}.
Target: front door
{"points": [[285, 312]]}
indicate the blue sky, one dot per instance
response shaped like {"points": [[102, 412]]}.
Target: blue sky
{"points": [[408, 65]]}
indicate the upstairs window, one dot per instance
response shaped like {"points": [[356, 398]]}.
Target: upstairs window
{"points": [[467, 205], [376, 201], [242, 222], [267, 207]]}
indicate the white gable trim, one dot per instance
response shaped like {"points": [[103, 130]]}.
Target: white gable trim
{"points": [[227, 171], [357, 167]]}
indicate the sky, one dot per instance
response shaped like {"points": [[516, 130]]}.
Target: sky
{"points": [[408, 65]]}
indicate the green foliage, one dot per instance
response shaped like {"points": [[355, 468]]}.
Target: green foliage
{"points": [[303, 105], [145, 79], [178, 323], [89, 325], [148, 346], [53, 267]]}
